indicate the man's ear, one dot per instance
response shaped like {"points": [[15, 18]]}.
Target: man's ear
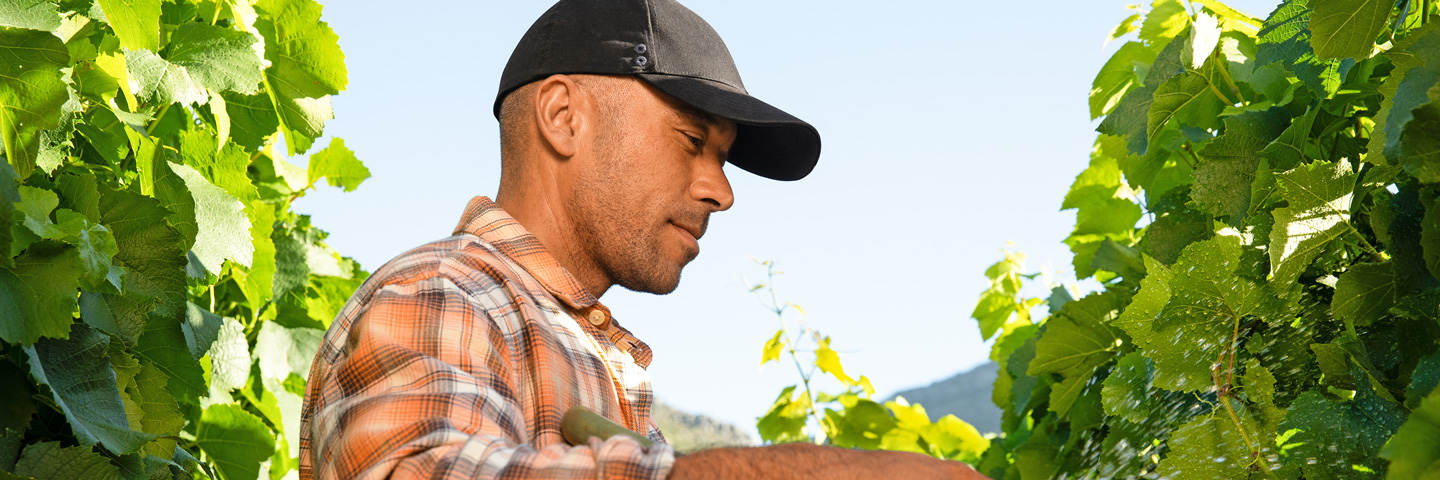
{"points": [[560, 113]]}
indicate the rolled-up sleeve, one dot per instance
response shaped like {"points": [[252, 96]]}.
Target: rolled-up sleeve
{"points": [[419, 381]]}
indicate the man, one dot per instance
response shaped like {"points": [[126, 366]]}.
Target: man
{"points": [[458, 359]]}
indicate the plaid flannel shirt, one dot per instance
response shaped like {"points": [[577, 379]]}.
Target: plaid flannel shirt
{"points": [[458, 359]]}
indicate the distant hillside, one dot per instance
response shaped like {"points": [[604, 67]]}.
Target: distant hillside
{"points": [[689, 432], [966, 395]]}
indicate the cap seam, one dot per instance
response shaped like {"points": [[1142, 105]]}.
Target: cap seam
{"points": [[701, 77], [650, 34]]}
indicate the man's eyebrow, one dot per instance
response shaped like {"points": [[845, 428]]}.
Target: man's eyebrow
{"points": [[693, 114]]}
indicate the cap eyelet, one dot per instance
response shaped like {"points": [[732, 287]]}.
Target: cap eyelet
{"points": [[641, 60], [640, 48]]}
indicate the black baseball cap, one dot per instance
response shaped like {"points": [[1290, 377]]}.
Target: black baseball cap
{"points": [[674, 50]]}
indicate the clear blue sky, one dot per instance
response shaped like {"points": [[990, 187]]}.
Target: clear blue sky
{"points": [[950, 128]]}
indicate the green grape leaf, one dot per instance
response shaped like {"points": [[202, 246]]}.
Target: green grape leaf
{"points": [[951, 434], [338, 166], [229, 357], [291, 270], [1228, 163], [863, 425], [1285, 38], [829, 362], [1288, 150], [1166, 19], [161, 412], [1423, 381], [1106, 216], [225, 168], [1037, 457], [135, 22], [306, 67], [1259, 388], [84, 387], [1204, 37], [148, 249], [36, 204], [1364, 293], [1206, 302], [1347, 28], [31, 14], [785, 421], [48, 460], [772, 348], [160, 81], [201, 329], [1319, 196], [1064, 393], [79, 193], [252, 118], [1414, 451], [993, 311], [1078, 340], [1188, 98], [1416, 70], [9, 195], [163, 343], [1118, 76], [1154, 293], [1209, 447], [305, 56], [1127, 26], [1114, 257], [282, 352], [258, 282], [97, 248], [1126, 393], [1430, 235], [38, 294], [1333, 435], [236, 440], [1129, 117], [31, 92], [217, 58], [1097, 183], [1420, 145], [223, 229]]}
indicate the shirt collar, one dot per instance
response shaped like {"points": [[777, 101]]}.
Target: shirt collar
{"points": [[484, 219]]}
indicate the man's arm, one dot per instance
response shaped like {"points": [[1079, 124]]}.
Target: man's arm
{"points": [[804, 461], [422, 383]]}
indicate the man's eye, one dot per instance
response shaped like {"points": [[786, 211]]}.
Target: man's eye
{"points": [[696, 141]]}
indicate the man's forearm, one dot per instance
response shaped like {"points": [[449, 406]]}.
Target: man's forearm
{"points": [[805, 461]]}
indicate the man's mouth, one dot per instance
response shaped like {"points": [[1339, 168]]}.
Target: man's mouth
{"points": [[694, 231]]}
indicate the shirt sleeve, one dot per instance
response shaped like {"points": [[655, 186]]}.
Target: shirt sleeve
{"points": [[421, 386]]}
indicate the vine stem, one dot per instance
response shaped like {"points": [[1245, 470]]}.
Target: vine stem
{"points": [[1226, 393], [1264, 466], [1225, 74], [163, 110], [794, 356]]}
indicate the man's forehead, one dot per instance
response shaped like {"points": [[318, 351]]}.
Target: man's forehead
{"points": [[690, 113]]}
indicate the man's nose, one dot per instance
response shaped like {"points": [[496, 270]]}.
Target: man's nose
{"points": [[713, 188]]}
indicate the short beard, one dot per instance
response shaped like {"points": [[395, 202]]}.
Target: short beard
{"points": [[626, 251]]}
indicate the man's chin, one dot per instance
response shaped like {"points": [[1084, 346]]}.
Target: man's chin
{"points": [[655, 281]]}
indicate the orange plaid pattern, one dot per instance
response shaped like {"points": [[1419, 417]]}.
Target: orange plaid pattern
{"points": [[457, 360]]}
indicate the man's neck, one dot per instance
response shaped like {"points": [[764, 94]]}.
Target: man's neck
{"points": [[543, 214]]}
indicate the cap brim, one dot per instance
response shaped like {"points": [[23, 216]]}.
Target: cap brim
{"points": [[768, 142]]}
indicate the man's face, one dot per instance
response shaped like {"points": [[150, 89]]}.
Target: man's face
{"points": [[656, 176]]}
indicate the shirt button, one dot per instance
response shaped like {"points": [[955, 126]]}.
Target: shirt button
{"points": [[597, 317]]}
